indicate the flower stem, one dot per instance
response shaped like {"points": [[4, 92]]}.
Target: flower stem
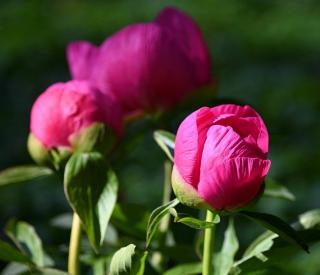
{"points": [[159, 259], [207, 262], [74, 247], [167, 190]]}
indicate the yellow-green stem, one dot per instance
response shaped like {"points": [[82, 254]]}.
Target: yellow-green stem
{"points": [[167, 190], [158, 258], [74, 247], [207, 261]]}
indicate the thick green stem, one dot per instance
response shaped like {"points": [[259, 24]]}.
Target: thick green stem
{"points": [[207, 262], [74, 247]]}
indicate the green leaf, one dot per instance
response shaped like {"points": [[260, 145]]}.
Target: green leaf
{"points": [[155, 218], [310, 219], [224, 260], [11, 254], [277, 190], [91, 192], [131, 218], [63, 221], [127, 261], [48, 271], [185, 269], [139, 263], [193, 222], [26, 239], [278, 226], [15, 269], [166, 141], [97, 137], [24, 173], [257, 248], [268, 246]]}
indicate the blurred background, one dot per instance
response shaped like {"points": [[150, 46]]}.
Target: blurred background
{"points": [[265, 53]]}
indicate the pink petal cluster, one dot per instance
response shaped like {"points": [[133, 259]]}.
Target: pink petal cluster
{"points": [[65, 108], [146, 66], [221, 152]]}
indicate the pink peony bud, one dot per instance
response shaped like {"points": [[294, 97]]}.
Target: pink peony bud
{"points": [[147, 66], [61, 115], [220, 157]]}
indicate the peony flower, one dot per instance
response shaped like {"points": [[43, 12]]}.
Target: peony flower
{"points": [[147, 66], [65, 112], [220, 157]]}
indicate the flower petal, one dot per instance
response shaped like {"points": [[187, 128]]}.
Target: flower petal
{"points": [[189, 37], [144, 68], [81, 56], [189, 144], [245, 121], [233, 183], [224, 143], [65, 108]]}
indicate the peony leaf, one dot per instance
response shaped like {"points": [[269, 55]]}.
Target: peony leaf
{"points": [[49, 271], [277, 190], [127, 261], [10, 254], [24, 173], [277, 226], [131, 218], [166, 141], [92, 193], [155, 218], [185, 269], [193, 222], [27, 240], [310, 219], [225, 259]]}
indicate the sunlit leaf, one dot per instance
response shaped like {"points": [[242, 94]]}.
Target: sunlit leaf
{"points": [[225, 258], [185, 269], [278, 226], [10, 254], [24, 173], [27, 240], [310, 219], [48, 271], [155, 218], [193, 222], [277, 190], [15, 269], [127, 261], [91, 190], [63, 221], [257, 248], [166, 141]]}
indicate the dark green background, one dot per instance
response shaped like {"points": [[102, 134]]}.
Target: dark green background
{"points": [[265, 53]]}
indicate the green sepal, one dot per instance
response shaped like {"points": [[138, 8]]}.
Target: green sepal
{"points": [[97, 137], [54, 158], [38, 152], [186, 194]]}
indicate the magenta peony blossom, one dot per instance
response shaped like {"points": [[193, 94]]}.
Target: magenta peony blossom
{"points": [[147, 66], [220, 157], [66, 108]]}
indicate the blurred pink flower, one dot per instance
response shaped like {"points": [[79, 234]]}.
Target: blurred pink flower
{"points": [[65, 108], [221, 156], [147, 66]]}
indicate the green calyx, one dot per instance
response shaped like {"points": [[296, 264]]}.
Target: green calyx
{"points": [[54, 158], [186, 194], [97, 137]]}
